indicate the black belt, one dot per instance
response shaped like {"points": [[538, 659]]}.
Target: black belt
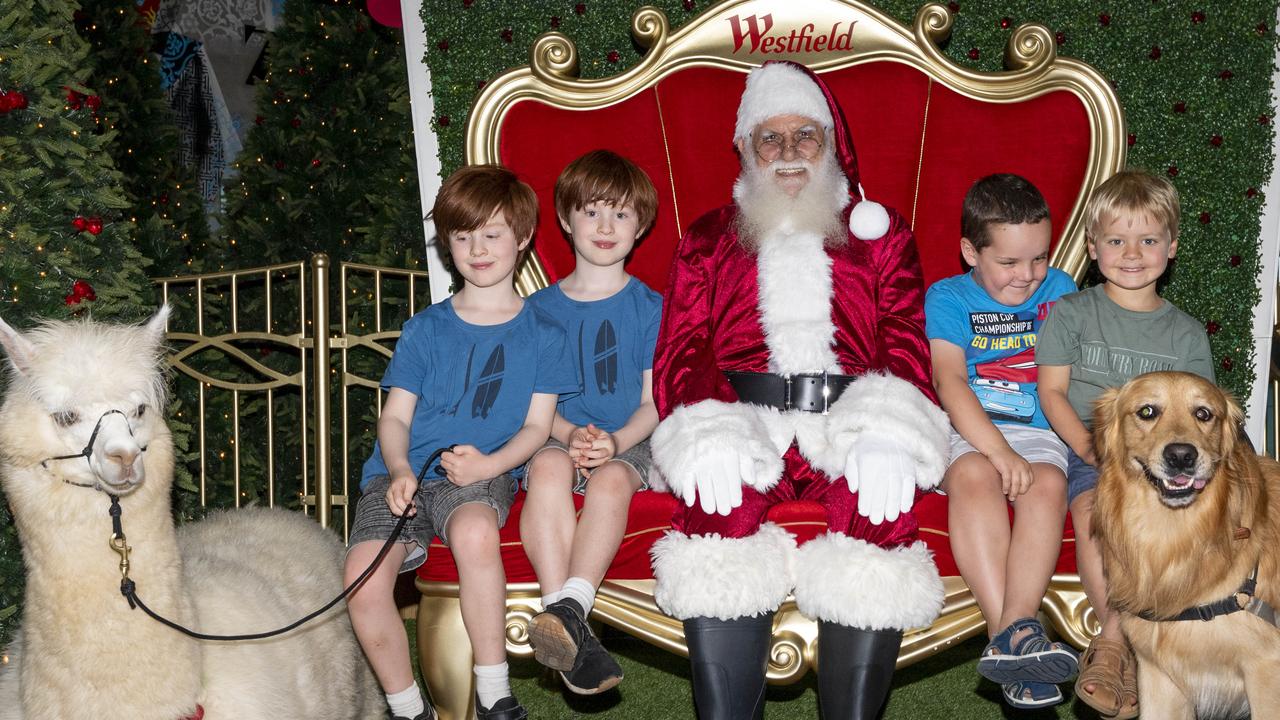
{"points": [[807, 392]]}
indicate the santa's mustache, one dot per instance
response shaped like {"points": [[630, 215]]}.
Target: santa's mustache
{"points": [[766, 208]]}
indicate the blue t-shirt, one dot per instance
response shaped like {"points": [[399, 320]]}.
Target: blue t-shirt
{"points": [[612, 340], [473, 382], [999, 341]]}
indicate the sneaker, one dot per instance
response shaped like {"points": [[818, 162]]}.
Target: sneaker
{"points": [[563, 641], [428, 714], [505, 709]]}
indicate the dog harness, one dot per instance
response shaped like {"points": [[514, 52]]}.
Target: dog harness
{"points": [[1242, 599]]}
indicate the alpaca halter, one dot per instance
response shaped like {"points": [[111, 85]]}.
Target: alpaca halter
{"points": [[87, 452]]}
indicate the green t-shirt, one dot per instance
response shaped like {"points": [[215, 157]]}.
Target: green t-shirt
{"points": [[1107, 345]]}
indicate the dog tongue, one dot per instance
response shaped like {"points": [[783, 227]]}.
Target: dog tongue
{"points": [[1200, 483]]}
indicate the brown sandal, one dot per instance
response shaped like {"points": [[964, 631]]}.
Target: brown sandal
{"points": [[1103, 666], [1129, 705]]}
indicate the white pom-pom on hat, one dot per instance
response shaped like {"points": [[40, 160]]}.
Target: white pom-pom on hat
{"points": [[868, 220]]}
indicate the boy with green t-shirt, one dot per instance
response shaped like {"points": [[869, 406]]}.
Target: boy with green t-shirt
{"points": [[1103, 337]]}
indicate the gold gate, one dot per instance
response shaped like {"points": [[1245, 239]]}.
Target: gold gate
{"points": [[260, 359]]}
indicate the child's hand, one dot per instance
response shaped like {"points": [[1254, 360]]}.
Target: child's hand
{"points": [[601, 450], [1089, 456], [465, 464], [1015, 472], [580, 441], [400, 494]]}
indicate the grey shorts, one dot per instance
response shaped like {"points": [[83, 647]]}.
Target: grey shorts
{"points": [[1035, 445], [1081, 476], [637, 458], [436, 500]]}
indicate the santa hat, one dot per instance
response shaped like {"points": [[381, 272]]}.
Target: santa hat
{"points": [[781, 87]]}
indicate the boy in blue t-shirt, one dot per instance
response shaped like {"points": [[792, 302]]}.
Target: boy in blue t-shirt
{"points": [[480, 371], [599, 442], [982, 329]]}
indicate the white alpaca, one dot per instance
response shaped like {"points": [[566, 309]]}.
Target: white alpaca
{"points": [[82, 652]]}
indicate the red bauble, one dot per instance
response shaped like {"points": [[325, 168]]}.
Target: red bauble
{"points": [[1262, 28], [1005, 22], [79, 224], [93, 101], [1264, 119], [315, 162], [443, 121], [1155, 52], [71, 299], [1205, 218], [443, 45], [83, 289], [974, 53], [481, 83], [1132, 139], [17, 101], [555, 22], [258, 120], [1180, 107], [1216, 141], [507, 35], [1060, 37], [1251, 193], [1227, 364], [1212, 327], [296, 122], [279, 164], [580, 9], [1234, 260], [164, 199], [1197, 17], [1104, 20], [953, 7], [468, 3], [1173, 171], [94, 225], [1226, 75], [74, 100], [689, 5], [613, 56]]}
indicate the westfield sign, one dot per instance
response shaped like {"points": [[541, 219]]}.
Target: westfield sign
{"points": [[758, 31]]}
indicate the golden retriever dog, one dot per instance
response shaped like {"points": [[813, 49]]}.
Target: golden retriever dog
{"points": [[1183, 515]]}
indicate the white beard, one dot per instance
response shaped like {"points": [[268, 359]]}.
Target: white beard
{"points": [[766, 210]]}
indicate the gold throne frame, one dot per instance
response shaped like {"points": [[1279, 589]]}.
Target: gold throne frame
{"points": [[1033, 69]]}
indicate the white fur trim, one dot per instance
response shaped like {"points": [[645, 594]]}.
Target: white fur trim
{"points": [[868, 220], [794, 274], [852, 582], [894, 409], [779, 89], [725, 578], [694, 433]]}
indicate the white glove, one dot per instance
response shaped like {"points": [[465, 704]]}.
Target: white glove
{"points": [[718, 479], [884, 477]]}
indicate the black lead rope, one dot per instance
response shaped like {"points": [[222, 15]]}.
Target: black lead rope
{"points": [[129, 589]]}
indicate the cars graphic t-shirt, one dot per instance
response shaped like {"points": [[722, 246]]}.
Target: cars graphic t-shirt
{"points": [[999, 341]]}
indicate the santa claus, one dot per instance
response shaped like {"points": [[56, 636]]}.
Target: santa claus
{"points": [[792, 365]]}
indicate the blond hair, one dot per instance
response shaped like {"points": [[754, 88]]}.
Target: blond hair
{"points": [[1136, 192]]}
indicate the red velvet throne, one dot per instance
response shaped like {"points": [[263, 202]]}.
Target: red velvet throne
{"points": [[925, 129]]}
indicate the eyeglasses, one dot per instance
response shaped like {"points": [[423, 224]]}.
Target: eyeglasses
{"points": [[805, 142]]}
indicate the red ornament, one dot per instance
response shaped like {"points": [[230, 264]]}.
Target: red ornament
{"points": [[1226, 75], [1227, 364], [689, 5], [296, 122], [954, 7], [279, 164], [1104, 20], [93, 101], [1060, 37], [481, 83], [1205, 218], [974, 54], [83, 289], [1262, 28], [1216, 141], [1005, 22], [1234, 260], [1251, 193], [613, 56], [258, 120], [94, 225], [1132, 139], [580, 9], [1264, 119], [164, 199], [70, 299], [507, 35], [555, 22], [315, 162], [1197, 17], [1212, 327], [1173, 171], [79, 224], [1179, 107], [1155, 52], [74, 100], [443, 45], [443, 121], [468, 3]]}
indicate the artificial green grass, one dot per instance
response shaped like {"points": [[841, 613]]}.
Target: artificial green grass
{"points": [[656, 687]]}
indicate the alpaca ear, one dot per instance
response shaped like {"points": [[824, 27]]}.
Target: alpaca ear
{"points": [[159, 324], [20, 350], [1106, 427]]}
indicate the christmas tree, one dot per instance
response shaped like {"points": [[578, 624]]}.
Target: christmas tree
{"points": [[66, 244], [161, 192]]}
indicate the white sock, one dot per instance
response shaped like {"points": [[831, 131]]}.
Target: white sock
{"points": [[407, 703], [492, 683], [548, 599], [581, 592]]}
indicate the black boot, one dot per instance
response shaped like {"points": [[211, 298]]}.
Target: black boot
{"points": [[729, 660], [855, 670]]}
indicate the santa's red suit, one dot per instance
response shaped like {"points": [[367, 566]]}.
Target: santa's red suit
{"points": [[792, 305]]}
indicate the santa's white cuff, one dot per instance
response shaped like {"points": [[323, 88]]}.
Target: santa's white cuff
{"points": [[848, 581], [695, 436], [725, 578], [895, 410]]}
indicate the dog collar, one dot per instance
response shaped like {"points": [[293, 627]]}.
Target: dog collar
{"points": [[1242, 599]]}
